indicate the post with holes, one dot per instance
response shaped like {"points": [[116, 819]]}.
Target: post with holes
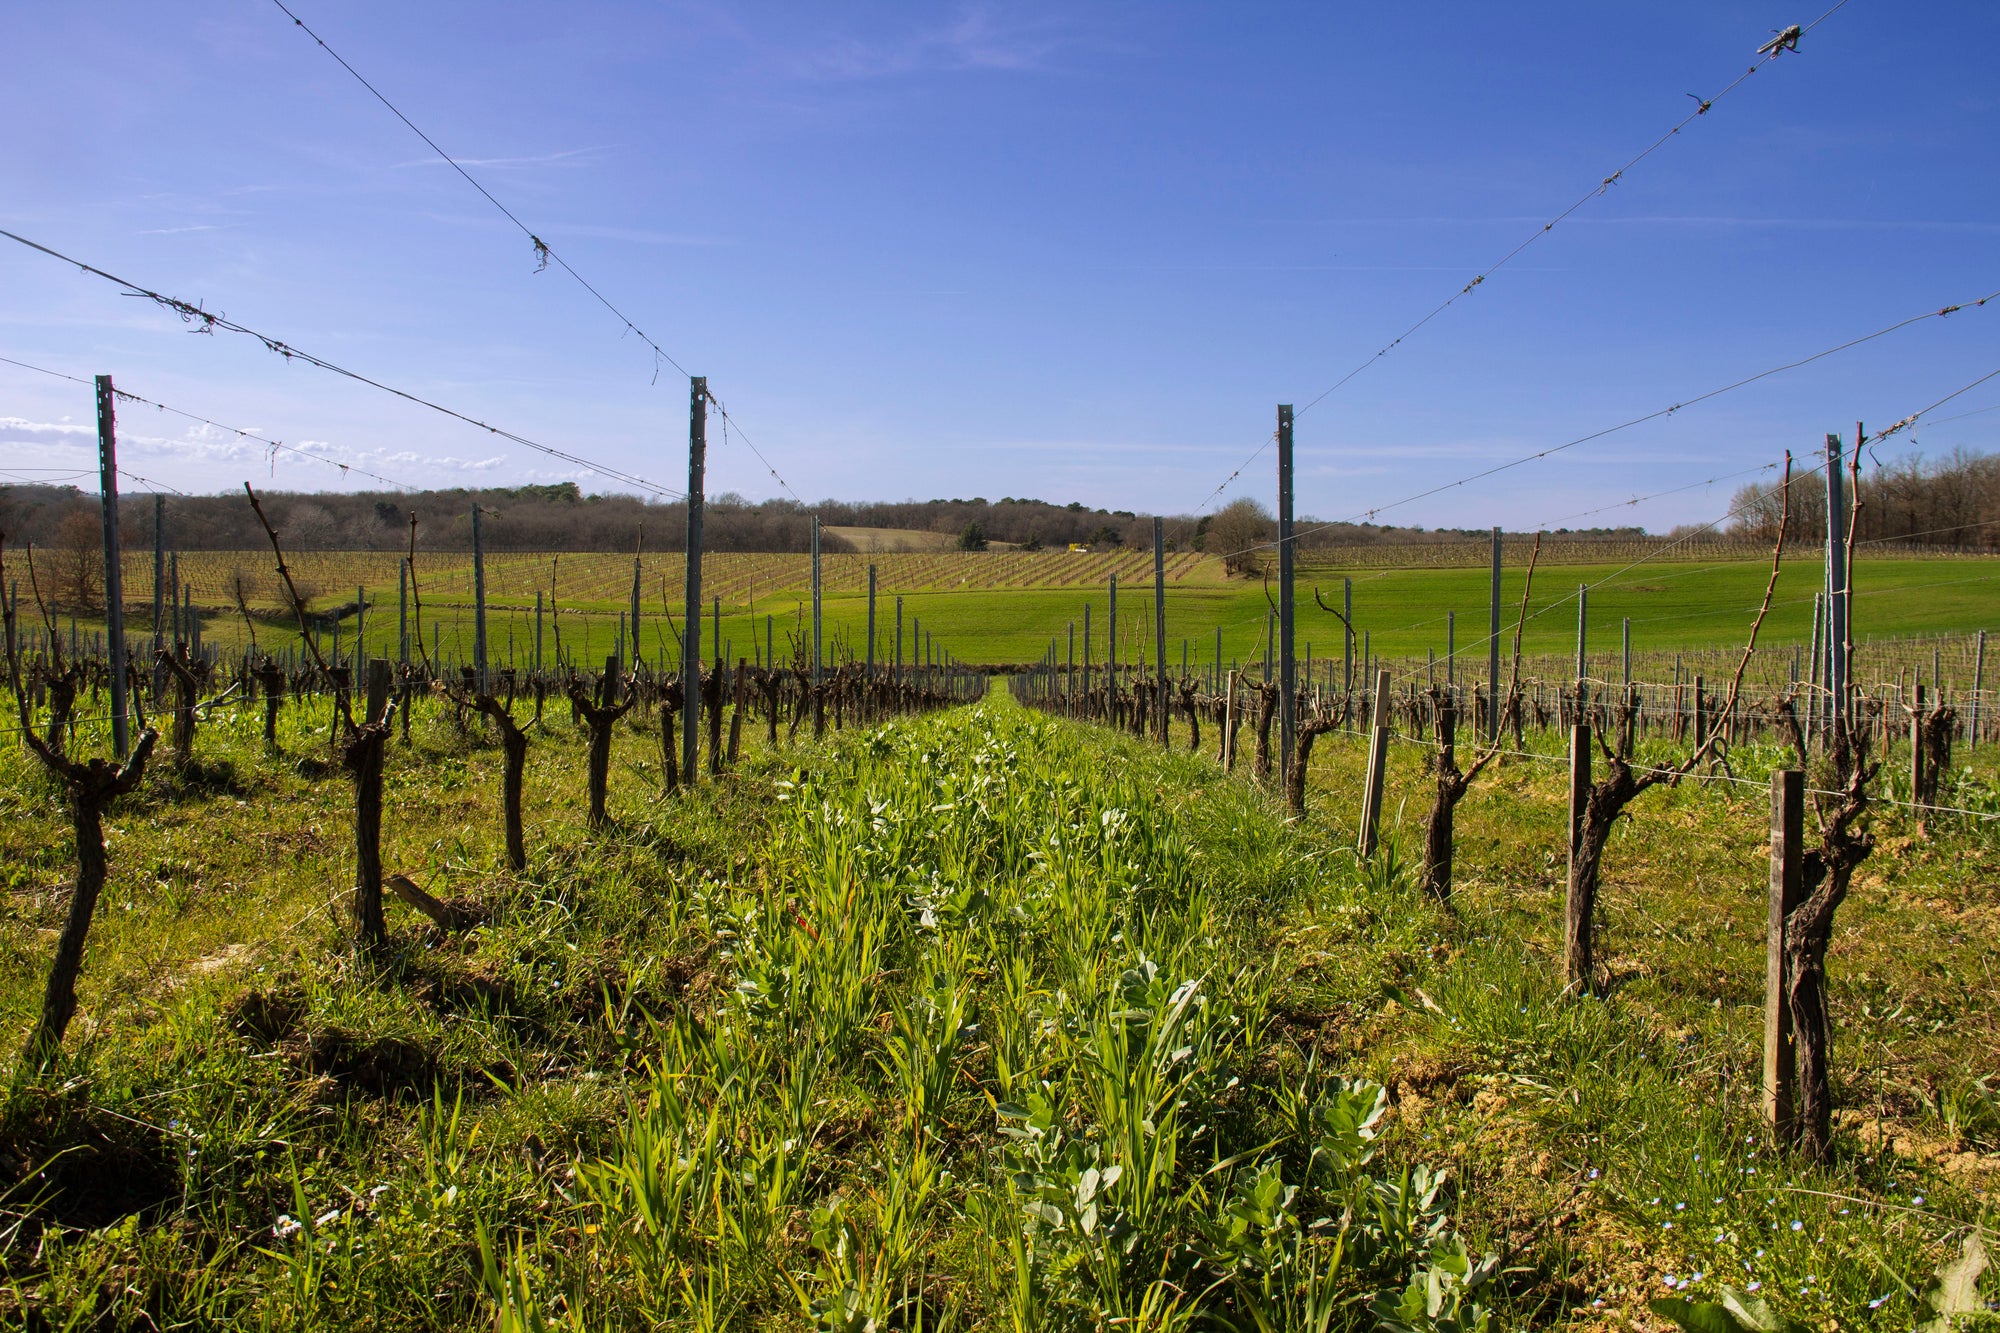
{"points": [[1160, 625], [1229, 723], [1577, 963], [1836, 584], [1288, 666], [114, 580], [160, 592], [816, 620], [1582, 654], [1451, 653], [1378, 764], [1111, 656], [1495, 707], [1918, 791], [691, 632], [478, 601], [1978, 684], [1788, 802]]}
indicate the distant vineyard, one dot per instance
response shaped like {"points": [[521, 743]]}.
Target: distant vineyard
{"points": [[605, 579]]}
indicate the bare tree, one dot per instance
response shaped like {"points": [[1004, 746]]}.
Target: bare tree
{"points": [[1236, 534], [89, 786]]}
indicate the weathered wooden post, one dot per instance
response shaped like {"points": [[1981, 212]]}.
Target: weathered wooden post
{"points": [[1788, 797], [691, 634], [114, 564], [362, 754], [1577, 900], [1378, 762]]}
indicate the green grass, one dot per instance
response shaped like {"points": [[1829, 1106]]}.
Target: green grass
{"points": [[859, 1032]]}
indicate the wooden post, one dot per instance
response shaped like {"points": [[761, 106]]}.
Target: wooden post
{"points": [[899, 640], [114, 564], [1451, 652], [1160, 627], [1788, 798], [360, 632], [478, 601], [403, 612], [691, 633], [1577, 965], [538, 631], [871, 625], [1627, 636], [1378, 763], [1493, 650], [1288, 666], [1086, 647]]}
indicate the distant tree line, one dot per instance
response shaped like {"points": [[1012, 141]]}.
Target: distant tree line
{"points": [[562, 517], [1953, 502]]}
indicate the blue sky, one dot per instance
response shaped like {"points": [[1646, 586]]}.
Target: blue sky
{"points": [[1077, 252]]}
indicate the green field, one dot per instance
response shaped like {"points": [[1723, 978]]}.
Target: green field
{"points": [[1402, 612]]}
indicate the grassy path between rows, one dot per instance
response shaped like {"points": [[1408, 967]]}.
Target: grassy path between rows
{"points": [[981, 1020]]}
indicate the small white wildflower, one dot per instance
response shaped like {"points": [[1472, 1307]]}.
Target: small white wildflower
{"points": [[284, 1227], [330, 1215], [1753, 1286], [1798, 1225]]}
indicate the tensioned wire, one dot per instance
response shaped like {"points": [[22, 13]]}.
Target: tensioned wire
{"points": [[1770, 52]]}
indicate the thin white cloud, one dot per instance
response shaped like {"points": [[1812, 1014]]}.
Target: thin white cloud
{"points": [[975, 39], [567, 157], [176, 231]]}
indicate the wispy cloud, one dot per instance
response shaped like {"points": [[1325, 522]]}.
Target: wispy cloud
{"points": [[1658, 220], [976, 38], [567, 157], [177, 231], [557, 231]]}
